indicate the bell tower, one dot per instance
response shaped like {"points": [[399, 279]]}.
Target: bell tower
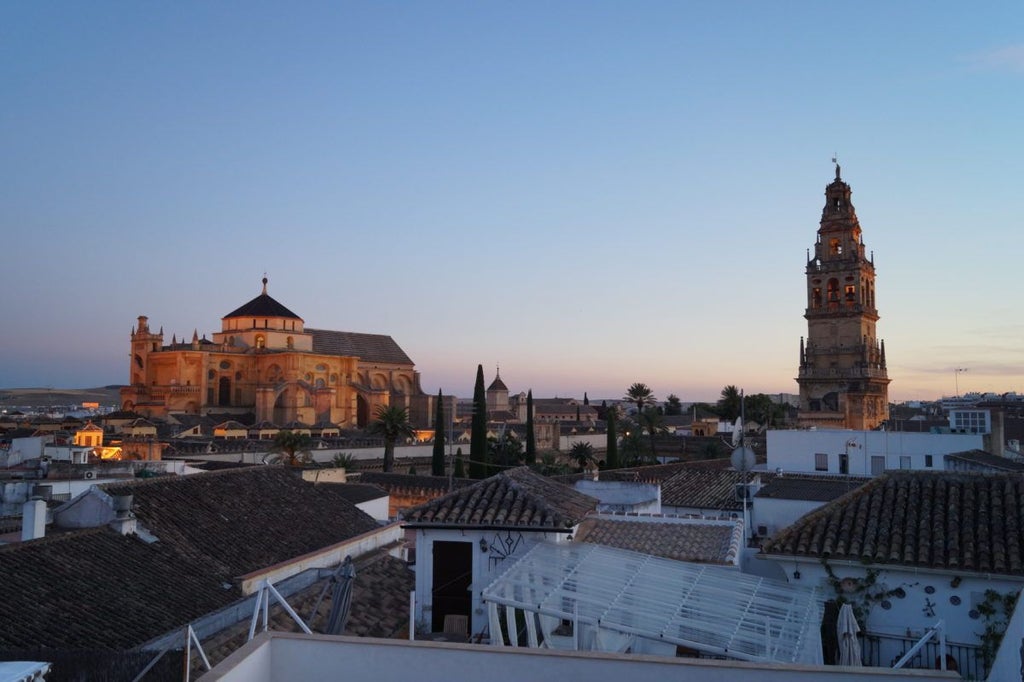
{"points": [[842, 377]]}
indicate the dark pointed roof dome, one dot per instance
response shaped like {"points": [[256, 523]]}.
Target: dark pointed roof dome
{"points": [[497, 384], [262, 306]]}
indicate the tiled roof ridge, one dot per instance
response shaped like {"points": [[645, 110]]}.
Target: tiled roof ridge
{"points": [[180, 479], [52, 538]]}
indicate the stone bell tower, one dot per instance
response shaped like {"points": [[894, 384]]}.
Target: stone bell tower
{"points": [[842, 378]]}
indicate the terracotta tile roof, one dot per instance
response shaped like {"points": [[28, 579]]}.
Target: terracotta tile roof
{"points": [[240, 520], [945, 520], [262, 306], [810, 488], [516, 497], [357, 493], [987, 460], [704, 488], [717, 543], [379, 608], [97, 588], [367, 347], [656, 473]]}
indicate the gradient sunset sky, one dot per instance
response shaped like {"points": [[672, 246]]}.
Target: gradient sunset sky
{"points": [[586, 193]]}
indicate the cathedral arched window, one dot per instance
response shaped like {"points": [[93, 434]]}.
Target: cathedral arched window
{"points": [[261, 341], [816, 297], [833, 290]]}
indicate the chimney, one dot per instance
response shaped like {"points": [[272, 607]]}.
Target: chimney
{"points": [[124, 523], [998, 435], [33, 519]]}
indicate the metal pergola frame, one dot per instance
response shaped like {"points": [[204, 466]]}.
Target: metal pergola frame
{"points": [[715, 610]]}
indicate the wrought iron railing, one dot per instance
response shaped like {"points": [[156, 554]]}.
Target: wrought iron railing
{"points": [[885, 650]]}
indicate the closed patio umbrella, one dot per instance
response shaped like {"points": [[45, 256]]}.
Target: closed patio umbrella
{"points": [[846, 631]]}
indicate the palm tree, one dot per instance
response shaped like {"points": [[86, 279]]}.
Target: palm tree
{"points": [[391, 424], [291, 448], [730, 404], [582, 453], [640, 395], [653, 423]]}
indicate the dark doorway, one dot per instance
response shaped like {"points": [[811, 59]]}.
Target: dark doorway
{"points": [[362, 411], [453, 574], [224, 391]]}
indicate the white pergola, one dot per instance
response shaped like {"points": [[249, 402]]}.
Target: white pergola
{"points": [[591, 597]]}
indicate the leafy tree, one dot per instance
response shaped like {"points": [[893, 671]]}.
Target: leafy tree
{"points": [[505, 451], [729, 404], [459, 471], [582, 453], [762, 409], [437, 457], [712, 450], [291, 448], [531, 438], [611, 457], [478, 432], [641, 395], [672, 405], [633, 447], [602, 410], [549, 465], [391, 423], [653, 423]]}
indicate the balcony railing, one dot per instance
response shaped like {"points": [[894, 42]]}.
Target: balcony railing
{"points": [[885, 650], [842, 373]]}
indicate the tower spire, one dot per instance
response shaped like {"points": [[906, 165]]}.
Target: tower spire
{"points": [[264, 284]]}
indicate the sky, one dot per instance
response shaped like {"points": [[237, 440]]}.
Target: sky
{"points": [[584, 193]]}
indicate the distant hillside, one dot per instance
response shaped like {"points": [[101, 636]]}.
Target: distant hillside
{"points": [[47, 397]]}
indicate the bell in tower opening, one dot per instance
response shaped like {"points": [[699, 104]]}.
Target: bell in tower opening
{"points": [[842, 375]]}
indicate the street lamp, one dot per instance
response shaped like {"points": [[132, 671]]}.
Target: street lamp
{"points": [[956, 378]]}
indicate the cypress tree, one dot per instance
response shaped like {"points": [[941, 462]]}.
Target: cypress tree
{"points": [[437, 460], [531, 440], [460, 471], [611, 457], [478, 433], [586, 400]]}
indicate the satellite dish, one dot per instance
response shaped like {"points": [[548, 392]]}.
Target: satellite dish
{"points": [[743, 459], [737, 432]]}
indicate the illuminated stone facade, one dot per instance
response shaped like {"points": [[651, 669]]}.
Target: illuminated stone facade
{"points": [[842, 377], [265, 361]]}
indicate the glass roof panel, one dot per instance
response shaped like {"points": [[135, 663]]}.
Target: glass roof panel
{"points": [[710, 608]]}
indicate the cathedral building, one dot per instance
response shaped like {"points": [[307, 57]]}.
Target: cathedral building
{"points": [[842, 378], [266, 362]]}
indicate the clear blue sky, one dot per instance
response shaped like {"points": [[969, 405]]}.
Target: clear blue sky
{"points": [[588, 193]]}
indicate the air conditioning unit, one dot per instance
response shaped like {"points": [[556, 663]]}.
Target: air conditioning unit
{"points": [[90, 475]]}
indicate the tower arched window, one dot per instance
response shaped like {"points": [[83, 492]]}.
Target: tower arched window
{"points": [[290, 342], [261, 341], [833, 290], [816, 297]]}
